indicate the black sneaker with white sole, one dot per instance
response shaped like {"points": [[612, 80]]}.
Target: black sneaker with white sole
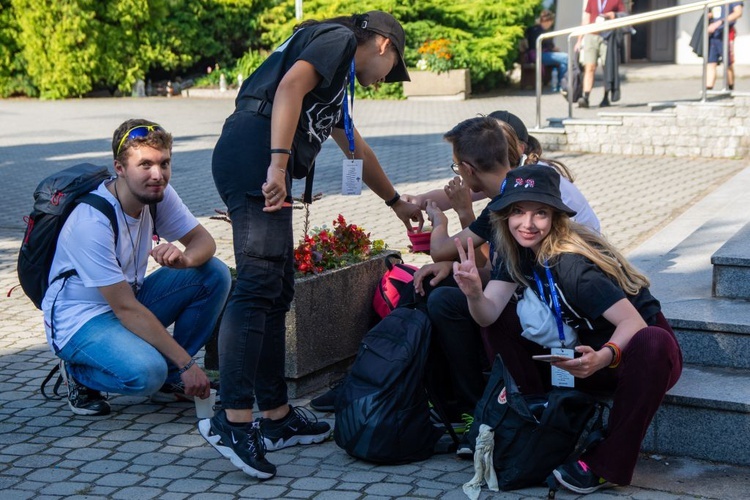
{"points": [[298, 427], [81, 399], [242, 445], [578, 477]]}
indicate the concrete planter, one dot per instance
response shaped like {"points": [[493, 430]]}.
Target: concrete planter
{"points": [[450, 85], [330, 314]]}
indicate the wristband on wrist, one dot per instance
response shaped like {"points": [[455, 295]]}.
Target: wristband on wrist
{"points": [[281, 151], [393, 200], [616, 354], [186, 367]]}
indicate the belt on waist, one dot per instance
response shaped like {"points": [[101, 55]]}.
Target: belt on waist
{"points": [[259, 106]]}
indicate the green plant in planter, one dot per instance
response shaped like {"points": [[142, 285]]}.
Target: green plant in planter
{"points": [[322, 249], [333, 248]]}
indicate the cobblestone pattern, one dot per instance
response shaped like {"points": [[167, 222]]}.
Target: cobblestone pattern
{"points": [[145, 450]]}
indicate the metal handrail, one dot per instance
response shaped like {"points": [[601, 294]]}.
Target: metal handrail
{"points": [[621, 23]]}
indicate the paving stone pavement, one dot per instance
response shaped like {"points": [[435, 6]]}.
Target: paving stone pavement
{"points": [[146, 450]]}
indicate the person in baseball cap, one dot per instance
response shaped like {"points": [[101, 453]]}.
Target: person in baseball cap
{"points": [[514, 121], [284, 111], [386, 25]]}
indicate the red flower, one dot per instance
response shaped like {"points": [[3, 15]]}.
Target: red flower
{"points": [[328, 249]]}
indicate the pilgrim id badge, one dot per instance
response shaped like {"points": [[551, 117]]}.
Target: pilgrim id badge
{"points": [[351, 180], [560, 377]]}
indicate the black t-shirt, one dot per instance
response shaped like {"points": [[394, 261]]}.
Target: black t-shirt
{"points": [[584, 292], [482, 226], [532, 33], [330, 49]]}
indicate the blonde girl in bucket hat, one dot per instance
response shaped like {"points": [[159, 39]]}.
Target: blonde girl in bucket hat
{"points": [[626, 345]]}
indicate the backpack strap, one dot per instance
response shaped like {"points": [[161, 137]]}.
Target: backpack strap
{"points": [[56, 389], [108, 210], [104, 207]]}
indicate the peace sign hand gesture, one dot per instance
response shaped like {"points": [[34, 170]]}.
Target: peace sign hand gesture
{"points": [[465, 271]]}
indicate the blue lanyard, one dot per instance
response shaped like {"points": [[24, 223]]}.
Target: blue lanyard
{"points": [[348, 109], [602, 4], [492, 241], [555, 301]]}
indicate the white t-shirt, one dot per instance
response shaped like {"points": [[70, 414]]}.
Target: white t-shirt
{"points": [[573, 198], [86, 244]]}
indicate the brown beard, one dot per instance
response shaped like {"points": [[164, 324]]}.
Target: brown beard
{"points": [[149, 200]]}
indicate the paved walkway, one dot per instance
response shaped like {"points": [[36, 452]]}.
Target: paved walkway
{"points": [[145, 450]]}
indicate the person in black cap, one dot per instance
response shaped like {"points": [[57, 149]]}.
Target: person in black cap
{"points": [[293, 102], [626, 346]]}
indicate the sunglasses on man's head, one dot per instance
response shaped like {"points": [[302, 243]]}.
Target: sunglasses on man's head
{"points": [[139, 131]]}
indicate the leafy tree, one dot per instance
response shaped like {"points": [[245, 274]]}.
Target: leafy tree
{"points": [[75, 46], [56, 40], [13, 78], [482, 34], [69, 47]]}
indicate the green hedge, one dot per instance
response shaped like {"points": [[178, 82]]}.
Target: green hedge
{"points": [[76, 46], [59, 49], [483, 34]]}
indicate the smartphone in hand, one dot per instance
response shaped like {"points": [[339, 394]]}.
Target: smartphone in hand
{"points": [[553, 358]]}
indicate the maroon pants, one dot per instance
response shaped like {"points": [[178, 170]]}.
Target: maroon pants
{"points": [[651, 364]]}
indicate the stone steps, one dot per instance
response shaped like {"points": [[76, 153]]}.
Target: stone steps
{"points": [[713, 332], [705, 416], [731, 267], [684, 128]]}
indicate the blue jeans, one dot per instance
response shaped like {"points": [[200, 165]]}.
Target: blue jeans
{"points": [[106, 356], [559, 59]]}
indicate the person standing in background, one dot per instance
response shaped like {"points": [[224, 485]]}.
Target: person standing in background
{"points": [[594, 45], [716, 21]]}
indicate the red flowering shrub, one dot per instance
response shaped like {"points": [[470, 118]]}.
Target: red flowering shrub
{"points": [[332, 248]]}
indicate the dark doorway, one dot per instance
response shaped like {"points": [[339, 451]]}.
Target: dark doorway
{"points": [[639, 41], [654, 41]]}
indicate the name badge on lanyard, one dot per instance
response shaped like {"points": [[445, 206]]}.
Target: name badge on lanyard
{"points": [[351, 175], [560, 377], [601, 4]]}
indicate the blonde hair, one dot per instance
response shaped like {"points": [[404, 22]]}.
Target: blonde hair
{"points": [[566, 236]]}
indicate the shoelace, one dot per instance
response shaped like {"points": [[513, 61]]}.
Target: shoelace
{"points": [[583, 466], [305, 416], [255, 442]]}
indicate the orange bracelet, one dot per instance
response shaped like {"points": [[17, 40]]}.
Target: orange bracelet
{"points": [[617, 354]]}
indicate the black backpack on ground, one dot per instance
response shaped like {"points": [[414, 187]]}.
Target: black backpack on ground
{"points": [[382, 408], [534, 434]]}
